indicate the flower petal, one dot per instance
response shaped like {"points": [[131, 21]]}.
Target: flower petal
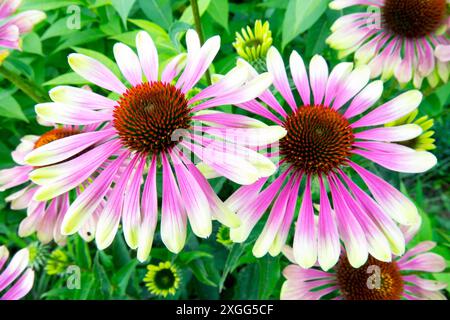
{"points": [[173, 215], [95, 72], [128, 63], [392, 110], [391, 134], [318, 76], [148, 55], [275, 66], [305, 238]]}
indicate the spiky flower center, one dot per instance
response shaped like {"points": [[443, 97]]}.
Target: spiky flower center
{"points": [[164, 279], [318, 139], [148, 115], [413, 18], [375, 280], [54, 135]]}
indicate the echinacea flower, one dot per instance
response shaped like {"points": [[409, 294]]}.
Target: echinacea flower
{"points": [[425, 140], [43, 217], [408, 39], [13, 26], [252, 44], [155, 127], [16, 279], [375, 280], [325, 134], [163, 279], [223, 237], [38, 254], [57, 262]]}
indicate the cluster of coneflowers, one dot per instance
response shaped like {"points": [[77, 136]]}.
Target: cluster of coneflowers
{"points": [[98, 167]]}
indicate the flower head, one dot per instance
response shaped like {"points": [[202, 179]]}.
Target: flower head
{"points": [[332, 123], [153, 129], [38, 255], [163, 279], [13, 26], [57, 262], [252, 44], [425, 140], [223, 236], [16, 279], [408, 39], [43, 217], [375, 280]]}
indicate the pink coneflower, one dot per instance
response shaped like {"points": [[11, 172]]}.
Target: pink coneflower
{"points": [[150, 123], [16, 279], [43, 217], [326, 134], [396, 37], [375, 280], [13, 26]]}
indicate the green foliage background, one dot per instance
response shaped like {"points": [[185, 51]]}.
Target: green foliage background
{"points": [[209, 269]]}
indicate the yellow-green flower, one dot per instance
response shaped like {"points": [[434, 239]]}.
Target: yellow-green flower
{"points": [[223, 236], [38, 254], [162, 279], [3, 55], [424, 141], [252, 45], [57, 263]]}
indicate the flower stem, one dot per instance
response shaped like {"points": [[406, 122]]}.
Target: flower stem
{"points": [[26, 86], [198, 27]]}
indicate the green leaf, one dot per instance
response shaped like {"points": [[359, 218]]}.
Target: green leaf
{"points": [[200, 272], [155, 31], [68, 78], [32, 44], [232, 261], [80, 37], [269, 274], [10, 108], [300, 16], [122, 277], [431, 105], [176, 30], [247, 283], [47, 5], [187, 256], [60, 28], [159, 11], [187, 15], [83, 256], [102, 278], [218, 10], [443, 277], [123, 8]]}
